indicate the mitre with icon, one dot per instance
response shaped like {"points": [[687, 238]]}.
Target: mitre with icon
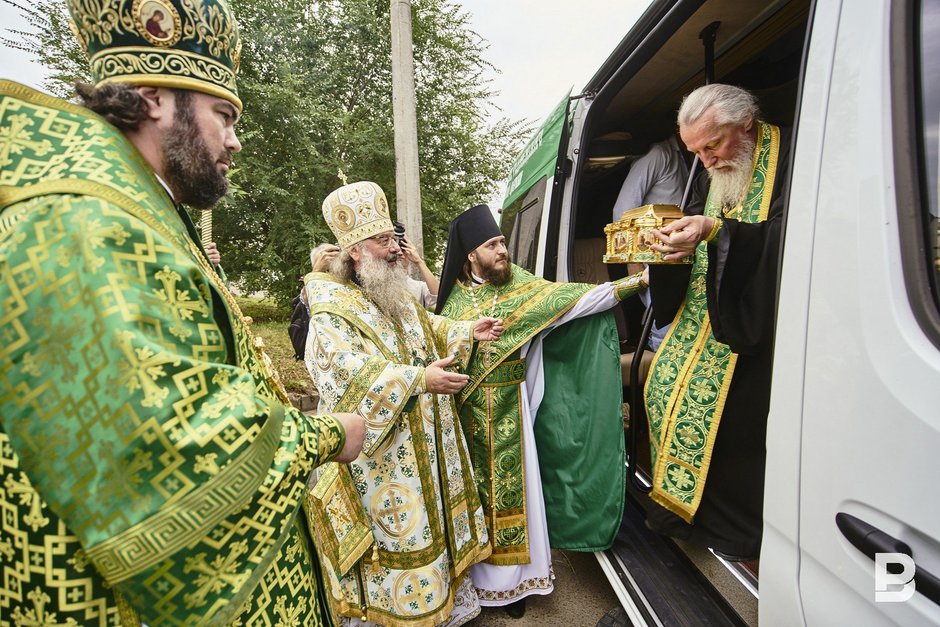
{"points": [[183, 44], [357, 211], [629, 238]]}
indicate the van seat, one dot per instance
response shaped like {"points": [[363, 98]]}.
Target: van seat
{"points": [[589, 266], [626, 362]]}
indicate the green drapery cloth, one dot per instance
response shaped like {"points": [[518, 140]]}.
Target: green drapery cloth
{"points": [[490, 413], [579, 434]]}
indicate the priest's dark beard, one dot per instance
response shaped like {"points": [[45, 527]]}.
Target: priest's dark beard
{"points": [[189, 168], [385, 284], [729, 185], [497, 276]]}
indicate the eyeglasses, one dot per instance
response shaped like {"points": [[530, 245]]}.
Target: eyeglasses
{"points": [[385, 241]]}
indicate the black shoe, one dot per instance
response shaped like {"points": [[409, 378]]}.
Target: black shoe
{"points": [[517, 609], [733, 558]]}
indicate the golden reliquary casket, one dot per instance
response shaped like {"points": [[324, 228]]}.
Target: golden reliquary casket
{"points": [[630, 237]]}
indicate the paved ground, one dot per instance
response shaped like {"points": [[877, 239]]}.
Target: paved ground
{"points": [[582, 595]]}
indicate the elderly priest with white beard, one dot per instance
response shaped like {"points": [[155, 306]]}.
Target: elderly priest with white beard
{"points": [[399, 527], [708, 392]]}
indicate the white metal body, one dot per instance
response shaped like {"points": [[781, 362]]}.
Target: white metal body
{"points": [[854, 423]]}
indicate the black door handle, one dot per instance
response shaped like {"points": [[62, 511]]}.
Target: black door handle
{"points": [[871, 540]]}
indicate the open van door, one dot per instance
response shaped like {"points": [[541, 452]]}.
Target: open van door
{"points": [[532, 181], [853, 437], [854, 428]]}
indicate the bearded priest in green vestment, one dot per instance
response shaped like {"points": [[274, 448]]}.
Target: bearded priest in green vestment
{"points": [[708, 391], [542, 410], [151, 468], [400, 525]]}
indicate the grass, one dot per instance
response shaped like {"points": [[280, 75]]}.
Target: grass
{"points": [[263, 309], [270, 324]]}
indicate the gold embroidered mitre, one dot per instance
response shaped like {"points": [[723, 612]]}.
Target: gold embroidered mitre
{"points": [[186, 44], [357, 211]]}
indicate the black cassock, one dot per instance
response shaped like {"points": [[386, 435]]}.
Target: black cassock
{"points": [[741, 292]]}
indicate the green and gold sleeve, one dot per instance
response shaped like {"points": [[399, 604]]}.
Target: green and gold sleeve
{"points": [[136, 406], [629, 286]]}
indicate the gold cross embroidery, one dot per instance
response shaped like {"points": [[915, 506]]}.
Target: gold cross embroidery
{"points": [[177, 302], [223, 571], [27, 496], [412, 588], [381, 401], [392, 511], [37, 617], [290, 615], [93, 234], [142, 369], [14, 138]]}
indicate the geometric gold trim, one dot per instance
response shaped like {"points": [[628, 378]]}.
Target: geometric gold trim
{"points": [[170, 529], [338, 519], [161, 67]]}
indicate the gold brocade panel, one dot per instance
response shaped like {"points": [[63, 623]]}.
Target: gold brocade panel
{"points": [[146, 448], [412, 483], [492, 420]]}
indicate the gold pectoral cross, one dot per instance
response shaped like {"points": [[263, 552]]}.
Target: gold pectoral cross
{"points": [[489, 354]]}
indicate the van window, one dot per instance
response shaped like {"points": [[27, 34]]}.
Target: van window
{"points": [[929, 131], [520, 223]]}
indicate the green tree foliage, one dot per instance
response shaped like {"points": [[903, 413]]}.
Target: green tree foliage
{"points": [[50, 39], [315, 79]]}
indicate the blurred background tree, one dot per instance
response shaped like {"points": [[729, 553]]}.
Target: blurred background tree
{"points": [[315, 78]]}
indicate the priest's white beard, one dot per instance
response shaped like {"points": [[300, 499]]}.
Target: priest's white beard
{"points": [[730, 183], [385, 284]]}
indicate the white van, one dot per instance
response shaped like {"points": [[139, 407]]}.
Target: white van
{"points": [[853, 438]]}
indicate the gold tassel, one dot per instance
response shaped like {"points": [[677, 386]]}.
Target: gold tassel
{"points": [[374, 567]]}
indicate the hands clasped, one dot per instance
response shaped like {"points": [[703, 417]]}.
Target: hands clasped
{"points": [[679, 239]]}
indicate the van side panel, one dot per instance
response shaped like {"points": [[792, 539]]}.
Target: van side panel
{"points": [[870, 423], [573, 153], [779, 586]]}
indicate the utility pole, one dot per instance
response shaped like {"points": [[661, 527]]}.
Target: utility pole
{"points": [[407, 179]]}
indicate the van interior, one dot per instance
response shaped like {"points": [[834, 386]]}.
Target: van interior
{"points": [[758, 46]]}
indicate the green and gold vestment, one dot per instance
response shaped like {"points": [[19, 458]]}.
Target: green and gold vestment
{"points": [[582, 407], [692, 372], [150, 466], [400, 525]]}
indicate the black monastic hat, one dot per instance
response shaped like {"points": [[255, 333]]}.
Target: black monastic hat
{"points": [[465, 234]]}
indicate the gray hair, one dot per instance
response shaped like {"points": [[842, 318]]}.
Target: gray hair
{"points": [[315, 252], [343, 266], [732, 105]]}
